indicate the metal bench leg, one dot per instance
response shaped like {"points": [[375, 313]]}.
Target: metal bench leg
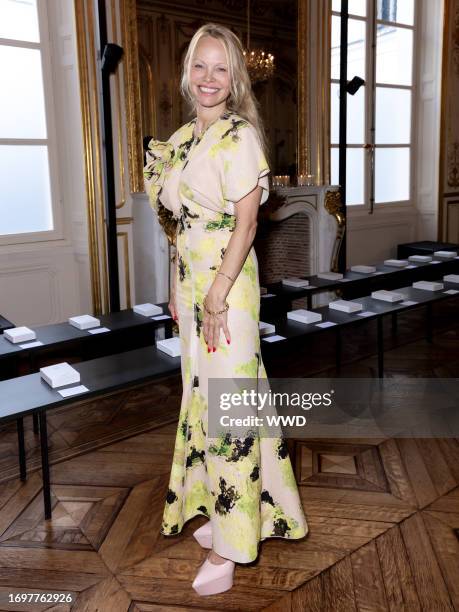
{"points": [[380, 348], [338, 350], [21, 445], [167, 329], [35, 423], [45, 464], [429, 323], [394, 323], [33, 368]]}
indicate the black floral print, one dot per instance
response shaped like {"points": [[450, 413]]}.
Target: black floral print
{"points": [[227, 498]]}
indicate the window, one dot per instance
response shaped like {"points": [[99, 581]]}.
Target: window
{"points": [[380, 113], [27, 195]]}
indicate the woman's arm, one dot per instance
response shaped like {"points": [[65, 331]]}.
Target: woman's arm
{"points": [[238, 247], [173, 285]]}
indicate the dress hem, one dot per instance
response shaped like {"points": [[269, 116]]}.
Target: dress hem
{"points": [[236, 560]]}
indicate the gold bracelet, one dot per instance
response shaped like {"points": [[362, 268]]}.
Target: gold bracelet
{"points": [[229, 277], [216, 312]]}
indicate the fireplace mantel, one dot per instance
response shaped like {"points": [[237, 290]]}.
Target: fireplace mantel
{"points": [[322, 205]]}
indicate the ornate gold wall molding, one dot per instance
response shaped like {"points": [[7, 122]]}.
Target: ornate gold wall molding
{"points": [[148, 110], [127, 277], [117, 110], [334, 206], [452, 219], [95, 114], [304, 80], [453, 165], [89, 88], [85, 15], [124, 220], [313, 41], [324, 95], [84, 18], [449, 125], [444, 72], [455, 40], [128, 15]]}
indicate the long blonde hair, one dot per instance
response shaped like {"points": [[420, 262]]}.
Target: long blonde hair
{"points": [[241, 99]]}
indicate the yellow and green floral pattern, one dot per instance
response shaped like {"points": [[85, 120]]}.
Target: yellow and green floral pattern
{"points": [[246, 487]]}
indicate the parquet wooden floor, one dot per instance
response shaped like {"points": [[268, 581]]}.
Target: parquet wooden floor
{"points": [[383, 514]]}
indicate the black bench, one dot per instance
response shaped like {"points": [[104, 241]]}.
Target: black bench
{"points": [[424, 247], [63, 336], [295, 332], [127, 328], [28, 395], [355, 284]]}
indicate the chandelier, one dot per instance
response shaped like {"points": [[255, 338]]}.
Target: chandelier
{"points": [[260, 64]]}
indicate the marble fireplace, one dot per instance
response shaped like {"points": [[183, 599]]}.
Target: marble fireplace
{"points": [[301, 235]]}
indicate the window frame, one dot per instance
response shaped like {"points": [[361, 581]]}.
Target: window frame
{"points": [[370, 108], [57, 233]]}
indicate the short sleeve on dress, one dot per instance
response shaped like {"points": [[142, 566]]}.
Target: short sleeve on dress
{"points": [[244, 166], [158, 159]]}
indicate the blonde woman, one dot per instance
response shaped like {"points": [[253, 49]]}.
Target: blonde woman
{"points": [[212, 176]]}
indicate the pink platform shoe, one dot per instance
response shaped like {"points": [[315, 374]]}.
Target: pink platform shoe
{"points": [[204, 535], [212, 579]]}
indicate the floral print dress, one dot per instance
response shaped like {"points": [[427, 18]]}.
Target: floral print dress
{"points": [[246, 487]]}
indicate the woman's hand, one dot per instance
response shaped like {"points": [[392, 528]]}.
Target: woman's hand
{"points": [[172, 295], [212, 324], [173, 306]]}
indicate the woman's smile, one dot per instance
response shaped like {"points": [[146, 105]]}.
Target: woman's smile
{"points": [[208, 90]]}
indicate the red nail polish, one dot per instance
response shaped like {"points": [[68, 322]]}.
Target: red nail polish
{"points": [[228, 341], [208, 349], [214, 349]]}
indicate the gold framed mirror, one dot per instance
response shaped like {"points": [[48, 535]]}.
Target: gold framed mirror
{"points": [[155, 36]]}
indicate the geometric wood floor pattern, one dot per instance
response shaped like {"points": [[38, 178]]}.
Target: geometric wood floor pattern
{"points": [[383, 518]]}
